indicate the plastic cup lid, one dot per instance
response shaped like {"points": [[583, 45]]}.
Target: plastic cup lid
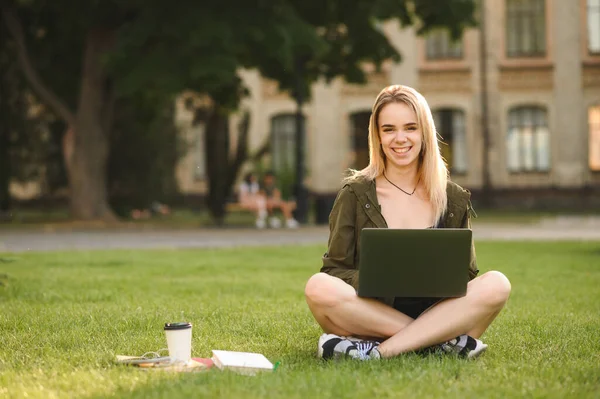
{"points": [[178, 326]]}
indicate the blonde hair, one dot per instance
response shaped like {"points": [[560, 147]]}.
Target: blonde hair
{"points": [[432, 169]]}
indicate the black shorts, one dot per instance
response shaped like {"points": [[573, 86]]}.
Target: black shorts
{"points": [[413, 307]]}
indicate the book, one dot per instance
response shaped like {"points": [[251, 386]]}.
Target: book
{"points": [[164, 363], [241, 362], [208, 362]]}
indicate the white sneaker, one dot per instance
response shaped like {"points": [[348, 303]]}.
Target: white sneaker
{"points": [[464, 346], [261, 223], [332, 346], [292, 223], [274, 222]]}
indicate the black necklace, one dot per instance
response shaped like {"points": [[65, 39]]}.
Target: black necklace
{"points": [[405, 192]]}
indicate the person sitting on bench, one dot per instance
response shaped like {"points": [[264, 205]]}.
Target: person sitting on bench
{"points": [[251, 198], [274, 201]]}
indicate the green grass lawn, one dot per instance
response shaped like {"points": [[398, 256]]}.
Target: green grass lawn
{"points": [[66, 315]]}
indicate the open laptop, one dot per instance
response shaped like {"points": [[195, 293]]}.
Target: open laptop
{"points": [[414, 263]]}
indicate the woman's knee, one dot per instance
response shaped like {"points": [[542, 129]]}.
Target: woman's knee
{"points": [[494, 289], [326, 290]]}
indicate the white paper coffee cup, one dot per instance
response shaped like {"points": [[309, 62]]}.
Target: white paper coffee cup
{"points": [[179, 341]]}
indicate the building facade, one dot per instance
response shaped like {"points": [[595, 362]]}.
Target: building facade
{"points": [[529, 77]]}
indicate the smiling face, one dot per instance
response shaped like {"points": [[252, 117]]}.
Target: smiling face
{"points": [[400, 135]]}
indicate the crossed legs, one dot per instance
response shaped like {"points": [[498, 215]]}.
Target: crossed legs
{"points": [[338, 310]]}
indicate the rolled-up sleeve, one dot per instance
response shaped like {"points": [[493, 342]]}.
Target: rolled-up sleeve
{"points": [[339, 260], [466, 223]]}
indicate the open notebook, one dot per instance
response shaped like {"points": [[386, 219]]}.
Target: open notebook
{"points": [[241, 362]]}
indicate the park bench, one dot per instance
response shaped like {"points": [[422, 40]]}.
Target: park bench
{"points": [[236, 207]]}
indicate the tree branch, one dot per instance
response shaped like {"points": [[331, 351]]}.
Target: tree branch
{"points": [[48, 96], [241, 153]]}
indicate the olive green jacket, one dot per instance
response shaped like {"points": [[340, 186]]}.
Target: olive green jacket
{"points": [[356, 207]]}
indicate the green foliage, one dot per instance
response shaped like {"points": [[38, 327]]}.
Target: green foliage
{"points": [[286, 179], [156, 49], [349, 34], [67, 314], [25, 142], [165, 48], [145, 148]]}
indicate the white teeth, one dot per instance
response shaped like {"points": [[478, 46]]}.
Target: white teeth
{"points": [[401, 150]]}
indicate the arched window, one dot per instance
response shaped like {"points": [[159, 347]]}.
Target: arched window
{"points": [[283, 143], [525, 28], [450, 125], [528, 140], [594, 140], [360, 139]]}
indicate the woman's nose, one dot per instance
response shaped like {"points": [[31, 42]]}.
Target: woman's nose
{"points": [[400, 137]]}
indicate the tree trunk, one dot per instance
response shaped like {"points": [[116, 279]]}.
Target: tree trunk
{"points": [[87, 167], [68, 146], [221, 170], [217, 163], [87, 137], [241, 152], [9, 114], [5, 172]]}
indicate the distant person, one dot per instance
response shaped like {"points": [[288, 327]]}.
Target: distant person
{"points": [[405, 186], [156, 209], [251, 198], [274, 201]]}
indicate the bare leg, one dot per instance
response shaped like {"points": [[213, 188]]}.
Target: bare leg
{"points": [[285, 210], [261, 206], [480, 328], [287, 207], [486, 296], [272, 204], [338, 310]]}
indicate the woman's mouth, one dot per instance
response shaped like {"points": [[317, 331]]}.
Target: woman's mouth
{"points": [[401, 150]]}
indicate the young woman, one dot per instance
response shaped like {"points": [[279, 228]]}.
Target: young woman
{"points": [[250, 197], [405, 186]]}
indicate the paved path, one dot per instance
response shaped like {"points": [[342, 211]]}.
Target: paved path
{"points": [[12, 240]]}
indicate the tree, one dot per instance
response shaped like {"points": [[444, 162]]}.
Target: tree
{"points": [[348, 37], [129, 46], [144, 150], [323, 39], [89, 120], [8, 114], [23, 147], [81, 58]]}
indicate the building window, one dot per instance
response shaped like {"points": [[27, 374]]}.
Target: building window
{"points": [[360, 139], [450, 125], [594, 141], [593, 23], [528, 140], [283, 143], [525, 28], [439, 46]]}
